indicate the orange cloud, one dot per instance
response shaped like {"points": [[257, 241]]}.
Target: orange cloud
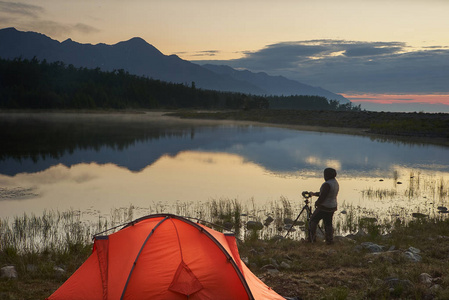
{"points": [[398, 99]]}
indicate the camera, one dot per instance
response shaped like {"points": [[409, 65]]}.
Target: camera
{"points": [[307, 194]]}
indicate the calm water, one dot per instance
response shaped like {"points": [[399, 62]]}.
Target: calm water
{"points": [[100, 163]]}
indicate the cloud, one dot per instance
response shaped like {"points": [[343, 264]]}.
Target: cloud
{"points": [[84, 28], [206, 53], [21, 9], [353, 66], [57, 29], [32, 17]]}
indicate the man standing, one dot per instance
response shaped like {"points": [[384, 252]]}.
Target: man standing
{"points": [[325, 206]]}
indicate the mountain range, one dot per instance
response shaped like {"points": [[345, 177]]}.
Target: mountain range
{"points": [[138, 57]]}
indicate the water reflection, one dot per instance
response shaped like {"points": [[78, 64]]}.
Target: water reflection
{"points": [[101, 163], [36, 144]]}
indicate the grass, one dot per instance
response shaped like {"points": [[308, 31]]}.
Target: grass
{"points": [[39, 246], [344, 270]]}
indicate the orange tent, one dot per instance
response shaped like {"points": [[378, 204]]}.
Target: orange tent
{"points": [[164, 257]]}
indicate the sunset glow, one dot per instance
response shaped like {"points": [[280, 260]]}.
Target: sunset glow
{"points": [[398, 99]]}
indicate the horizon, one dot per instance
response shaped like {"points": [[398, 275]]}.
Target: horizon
{"points": [[382, 55]]}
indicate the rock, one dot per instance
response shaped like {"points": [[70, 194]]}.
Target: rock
{"points": [[426, 279], [274, 263], [285, 265], [412, 254], [414, 250], [300, 223], [372, 247], [59, 271], [227, 225], [268, 221], [361, 233], [9, 272], [434, 289], [288, 221], [245, 260], [273, 271], [270, 269], [394, 283], [254, 225], [277, 237], [267, 267], [419, 215], [383, 256]]}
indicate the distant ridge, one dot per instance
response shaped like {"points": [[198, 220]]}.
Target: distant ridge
{"points": [[143, 59]]}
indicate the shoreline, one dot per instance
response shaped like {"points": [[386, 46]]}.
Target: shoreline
{"points": [[357, 131], [207, 117]]}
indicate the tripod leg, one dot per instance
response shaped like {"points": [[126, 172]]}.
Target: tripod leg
{"points": [[294, 222]]}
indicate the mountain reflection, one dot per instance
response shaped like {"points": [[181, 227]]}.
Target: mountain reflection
{"points": [[32, 143]]}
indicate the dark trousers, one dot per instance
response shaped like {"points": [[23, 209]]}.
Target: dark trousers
{"points": [[318, 215]]}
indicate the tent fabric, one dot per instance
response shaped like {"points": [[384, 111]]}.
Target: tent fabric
{"points": [[164, 257]]}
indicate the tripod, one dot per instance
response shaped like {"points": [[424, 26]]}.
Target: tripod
{"points": [[306, 208]]}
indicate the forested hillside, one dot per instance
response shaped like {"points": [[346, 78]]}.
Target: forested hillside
{"points": [[33, 84]]}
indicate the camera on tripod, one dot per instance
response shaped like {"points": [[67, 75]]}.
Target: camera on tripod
{"points": [[307, 194]]}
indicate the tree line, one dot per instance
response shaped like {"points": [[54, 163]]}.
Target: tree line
{"points": [[34, 84]]}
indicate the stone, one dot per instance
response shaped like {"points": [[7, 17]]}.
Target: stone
{"points": [[267, 267], [277, 237], [254, 225], [393, 283], [59, 271], [285, 265], [419, 215], [268, 221], [273, 271], [414, 257], [372, 247], [9, 272], [288, 221], [434, 289], [426, 279], [414, 250], [228, 225], [270, 269], [361, 233]]}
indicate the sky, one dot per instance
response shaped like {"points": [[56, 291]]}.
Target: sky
{"points": [[382, 54]]}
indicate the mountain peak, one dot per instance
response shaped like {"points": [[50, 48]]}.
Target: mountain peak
{"points": [[143, 59]]}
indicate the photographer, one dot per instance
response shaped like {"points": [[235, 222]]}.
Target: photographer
{"points": [[325, 205]]}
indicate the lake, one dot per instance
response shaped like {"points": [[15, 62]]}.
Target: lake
{"points": [[125, 165]]}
